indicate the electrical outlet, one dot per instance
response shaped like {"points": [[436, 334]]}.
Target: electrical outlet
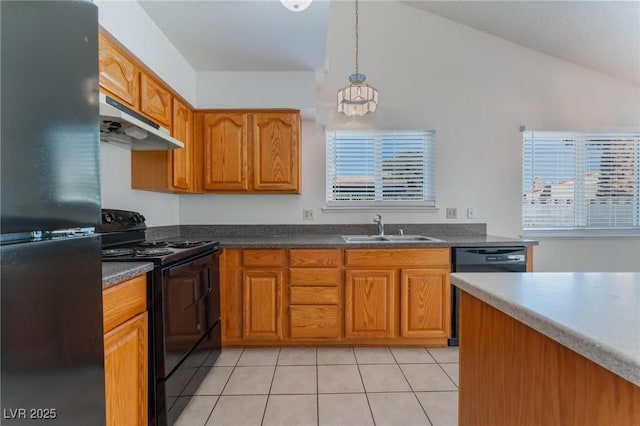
{"points": [[471, 213], [307, 214], [452, 213]]}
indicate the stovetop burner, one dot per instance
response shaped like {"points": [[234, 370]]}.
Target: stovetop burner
{"points": [[118, 252], [123, 240], [132, 252], [151, 244], [154, 252], [186, 243]]}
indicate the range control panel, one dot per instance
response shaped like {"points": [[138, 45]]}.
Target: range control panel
{"points": [[121, 220]]}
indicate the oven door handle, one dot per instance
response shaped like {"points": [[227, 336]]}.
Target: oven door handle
{"points": [[206, 293]]}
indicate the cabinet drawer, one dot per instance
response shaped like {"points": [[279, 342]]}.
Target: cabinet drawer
{"points": [[314, 321], [124, 301], [314, 276], [314, 295], [262, 258], [397, 258], [314, 257]]}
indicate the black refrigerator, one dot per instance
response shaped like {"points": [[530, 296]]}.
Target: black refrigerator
{"points": [[52, 351]]}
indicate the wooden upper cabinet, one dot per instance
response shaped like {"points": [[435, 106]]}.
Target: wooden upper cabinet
{"points": [[276, 152], [182, 159], [119, 75], [155, 101], [173, 170], [249, 151], [225, 152]]}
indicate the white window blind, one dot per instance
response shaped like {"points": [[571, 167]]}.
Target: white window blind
{"points": [[581, 181], [380, 168]]}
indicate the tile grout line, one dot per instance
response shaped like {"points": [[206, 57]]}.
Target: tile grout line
{"points": [[225, 385], [364, 388], [266, 404], [413, 391], [317, 390]]}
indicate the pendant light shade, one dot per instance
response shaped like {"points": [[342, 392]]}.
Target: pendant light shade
{"points": [[358, 98], [296, 5]]}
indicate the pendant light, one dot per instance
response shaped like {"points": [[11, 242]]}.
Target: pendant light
{"points": [[296, 5], [358, 98]]}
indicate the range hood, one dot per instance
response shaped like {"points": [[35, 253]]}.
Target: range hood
{"points": [[122, 126]]}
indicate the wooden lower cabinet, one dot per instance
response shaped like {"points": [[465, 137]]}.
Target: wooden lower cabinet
{"points": [[369, 304], [511, 374], [424, 298], [126, 353], [261, 296], [402, 294], [315, 295], [251, 287], [125, 368], [314, 321], [335, 296]]}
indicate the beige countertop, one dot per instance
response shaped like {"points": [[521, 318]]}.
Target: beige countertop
{"points": [[596, 315]]}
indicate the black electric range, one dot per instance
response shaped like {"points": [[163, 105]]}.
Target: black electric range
{"points": [[123, 240], [183, 307]]}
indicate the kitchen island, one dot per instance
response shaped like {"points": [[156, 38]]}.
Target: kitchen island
{"points": [[549, 348]]}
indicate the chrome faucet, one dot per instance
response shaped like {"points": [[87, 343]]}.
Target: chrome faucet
{"points": [[378, 219]]}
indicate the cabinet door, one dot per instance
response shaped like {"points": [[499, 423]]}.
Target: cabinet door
{"points": [[155, 101], [118, 73], [424, 303], [369, 303], [125, 366], [261, 295], [225, 152], [182, 158], [276, 152]]}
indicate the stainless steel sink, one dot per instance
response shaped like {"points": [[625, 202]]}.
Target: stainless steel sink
{"points": [[388, 238], [411, 238]]}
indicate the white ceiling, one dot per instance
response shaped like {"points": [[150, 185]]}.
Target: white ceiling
{"points": [[261, 35], [244, 35], [601, 35]]}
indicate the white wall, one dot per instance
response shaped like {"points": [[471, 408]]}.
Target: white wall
{"points": [[228, 89], [127, 21], [131, 26], [473, 89], [159, 209], [588, 255]]}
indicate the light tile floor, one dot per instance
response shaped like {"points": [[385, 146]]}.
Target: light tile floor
{"points": [[328, 386]]}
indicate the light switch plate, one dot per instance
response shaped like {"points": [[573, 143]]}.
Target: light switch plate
{"points": [[471, 213], [452, 213]]}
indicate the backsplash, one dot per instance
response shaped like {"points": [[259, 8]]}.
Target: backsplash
{"points": [[187, 231]]}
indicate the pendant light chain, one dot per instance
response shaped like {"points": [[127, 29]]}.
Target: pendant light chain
{"points": [[358, 98], [356, 37]]}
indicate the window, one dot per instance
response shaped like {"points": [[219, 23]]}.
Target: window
{"points": [[380, 169], [581, 181]]}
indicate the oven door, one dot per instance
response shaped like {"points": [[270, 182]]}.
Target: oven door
{"points": [[190, 307]]}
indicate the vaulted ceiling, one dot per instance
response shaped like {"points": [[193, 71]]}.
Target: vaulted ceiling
{"points": [[261, 35]]}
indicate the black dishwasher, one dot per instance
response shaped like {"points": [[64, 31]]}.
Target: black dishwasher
{"points": [[482, 259]]}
